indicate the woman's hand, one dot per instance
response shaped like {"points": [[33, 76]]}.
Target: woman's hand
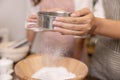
{"points": [[79, 24], [32, 18], [31, 21]]}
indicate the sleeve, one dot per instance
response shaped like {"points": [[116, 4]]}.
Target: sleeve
{"points": [[99, 9]]}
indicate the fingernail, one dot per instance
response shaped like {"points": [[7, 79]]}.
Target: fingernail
{"points": [[56, 28], [73, 14], [54, 22], [58, 18]]}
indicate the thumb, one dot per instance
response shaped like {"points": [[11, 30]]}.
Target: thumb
{"points": [[81, 12]]}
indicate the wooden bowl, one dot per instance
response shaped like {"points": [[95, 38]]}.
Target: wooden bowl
{"points": [[27, 67]]}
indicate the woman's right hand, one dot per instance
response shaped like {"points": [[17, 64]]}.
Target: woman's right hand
{"points": [[31, 21], [32, 18]]}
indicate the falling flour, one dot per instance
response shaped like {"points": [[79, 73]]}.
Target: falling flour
{"points": [[53, 73]]}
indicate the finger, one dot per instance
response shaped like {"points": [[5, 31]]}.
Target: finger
{"points": [[74, 20], [69, 32], [68, 26], [32, 16], [82, 12], [32, 20], [31, 26]]}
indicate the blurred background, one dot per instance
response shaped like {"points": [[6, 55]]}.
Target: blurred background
{"points": [[12, 18]]}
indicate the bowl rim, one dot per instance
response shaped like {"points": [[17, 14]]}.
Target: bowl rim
{"points": [[77, 78]]}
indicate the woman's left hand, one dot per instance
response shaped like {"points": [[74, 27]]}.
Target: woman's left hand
{"points": [[79, 24]]}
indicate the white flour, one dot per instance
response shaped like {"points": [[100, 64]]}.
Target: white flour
{"points": [[53, 73]]}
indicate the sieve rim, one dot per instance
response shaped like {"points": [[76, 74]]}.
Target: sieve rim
{"points": [[54, 14]]}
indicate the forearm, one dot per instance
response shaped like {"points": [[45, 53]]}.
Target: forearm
{"points": [[30, 35], [107, 28]]}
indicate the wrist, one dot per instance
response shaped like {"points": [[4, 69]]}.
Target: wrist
{"points": [[96, 25]]}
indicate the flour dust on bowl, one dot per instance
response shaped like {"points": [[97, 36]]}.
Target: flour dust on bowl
{"points": [[27, 68]]}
